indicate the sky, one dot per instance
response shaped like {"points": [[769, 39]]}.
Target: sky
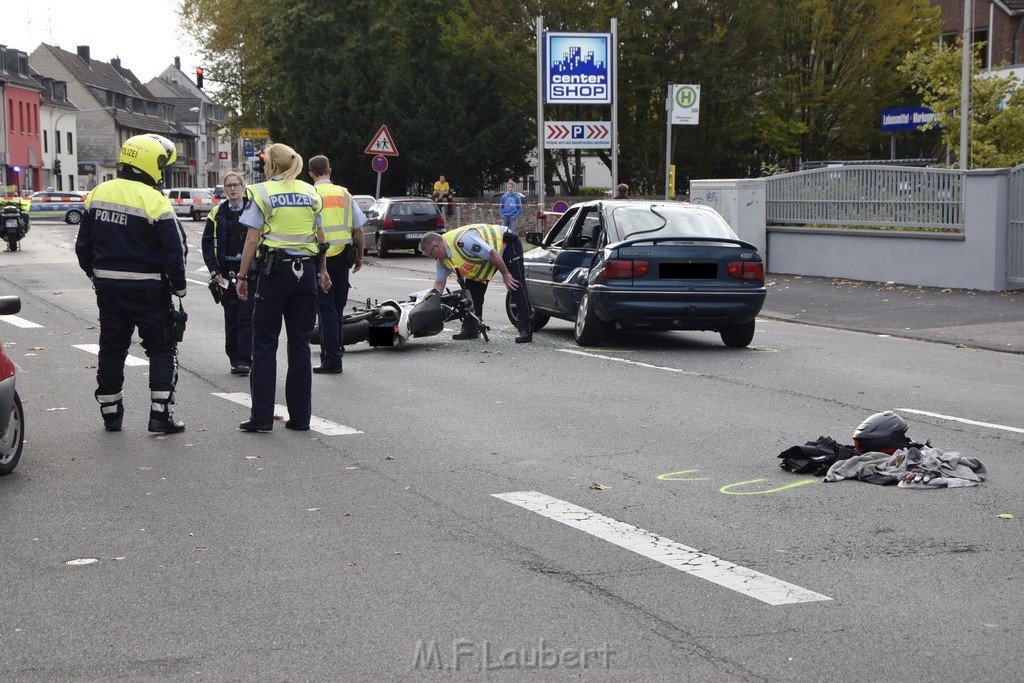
{"points": [[145, 34]]}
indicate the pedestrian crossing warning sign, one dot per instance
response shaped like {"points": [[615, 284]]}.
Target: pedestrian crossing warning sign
{"points": [[382, 144]]}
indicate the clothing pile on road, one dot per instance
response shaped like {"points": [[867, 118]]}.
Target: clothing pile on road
{"points": [[882, 454]]}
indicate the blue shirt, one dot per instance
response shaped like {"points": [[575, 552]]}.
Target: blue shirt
{"points": [[511, 205]]}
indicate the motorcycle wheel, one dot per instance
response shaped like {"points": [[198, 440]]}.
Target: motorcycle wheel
{"points": [[12, 244]]}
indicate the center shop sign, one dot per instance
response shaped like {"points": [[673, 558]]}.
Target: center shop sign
{"points": [[577, 68]]}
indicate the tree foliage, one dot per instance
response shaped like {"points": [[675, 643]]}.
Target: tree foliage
{"points": [[996, 124], [455, 81]]}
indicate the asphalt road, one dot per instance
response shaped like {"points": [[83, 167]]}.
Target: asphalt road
{"points": [[504, 511]]}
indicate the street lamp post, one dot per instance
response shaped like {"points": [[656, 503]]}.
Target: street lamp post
{"points": [[199, 141]]}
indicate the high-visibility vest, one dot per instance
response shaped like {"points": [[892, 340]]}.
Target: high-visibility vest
{"points": [[336, 216], [473, 267], [289, 214], [24, 202]]}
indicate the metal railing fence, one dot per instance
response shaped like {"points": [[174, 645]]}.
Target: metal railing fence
{"points": [[1015, 227], [867, 196]]}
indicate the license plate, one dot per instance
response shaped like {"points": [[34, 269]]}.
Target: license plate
{"points": [[414, 235], [10, 222]]}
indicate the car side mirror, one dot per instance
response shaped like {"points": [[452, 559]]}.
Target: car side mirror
{"points": [[535, 238]]}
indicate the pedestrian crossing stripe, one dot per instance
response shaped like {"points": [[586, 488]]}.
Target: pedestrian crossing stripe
{"points": [[95, 350]]}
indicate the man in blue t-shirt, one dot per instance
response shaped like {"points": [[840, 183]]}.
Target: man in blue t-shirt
{"points": [[511, 207]]}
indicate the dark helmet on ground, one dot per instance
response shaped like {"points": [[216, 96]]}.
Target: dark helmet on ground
{"points": [[884, 432], [149, 154]]}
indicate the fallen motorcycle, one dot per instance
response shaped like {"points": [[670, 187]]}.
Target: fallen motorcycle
{"points": [[392, 323], [15, 223]]}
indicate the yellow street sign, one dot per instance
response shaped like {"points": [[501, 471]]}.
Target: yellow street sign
{"points": [[258, 133]]}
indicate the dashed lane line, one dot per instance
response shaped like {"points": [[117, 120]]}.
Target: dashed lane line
{"points": [[18, 321], [95, 350], [316, 424], [630, 362], [964, 420], [676, 555]]}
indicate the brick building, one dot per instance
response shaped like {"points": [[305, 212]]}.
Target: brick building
{"points": [[999, 23]]}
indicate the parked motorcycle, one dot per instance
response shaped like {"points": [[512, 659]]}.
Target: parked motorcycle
{"points": [[15, 223], [392, 323]]}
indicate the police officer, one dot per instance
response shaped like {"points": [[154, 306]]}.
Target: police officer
{"points": [[343, 228], [133, 248], [478, 251], [284, 222], [222, 251]]}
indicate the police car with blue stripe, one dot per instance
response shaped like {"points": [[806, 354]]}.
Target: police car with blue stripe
{"points": [[69, 206]]}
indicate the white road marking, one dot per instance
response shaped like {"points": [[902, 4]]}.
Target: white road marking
{"points": [[676, 555], [18, 321], [95, 350], [316, 424], [961, 419], [630, 362], [197, 282]]}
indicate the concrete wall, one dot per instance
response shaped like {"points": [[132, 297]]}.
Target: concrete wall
{"points": [[975, 259]]}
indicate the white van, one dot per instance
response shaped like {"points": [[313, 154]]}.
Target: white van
{"points": [[195, 203]]}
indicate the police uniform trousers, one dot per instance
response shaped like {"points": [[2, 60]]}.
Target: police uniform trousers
{"points": [[331, 307], [281, 296], [237, 324], [512, 255], [120, 313]]}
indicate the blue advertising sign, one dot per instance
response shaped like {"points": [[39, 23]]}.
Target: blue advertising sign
{"points": [[906, 118], [577, 68]]}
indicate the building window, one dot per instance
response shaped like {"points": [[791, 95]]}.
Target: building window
{"points": [[56, 142], [70, 150], [46, 142]]}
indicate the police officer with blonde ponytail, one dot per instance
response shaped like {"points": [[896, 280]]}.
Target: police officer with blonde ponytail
{"points": [[285, 227], [343, 227]]}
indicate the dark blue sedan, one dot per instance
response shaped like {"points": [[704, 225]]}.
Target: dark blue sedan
{"points": [[644, 265]]}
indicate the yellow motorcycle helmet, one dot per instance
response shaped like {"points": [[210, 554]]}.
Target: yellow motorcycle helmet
{"points": [[149, 154]]}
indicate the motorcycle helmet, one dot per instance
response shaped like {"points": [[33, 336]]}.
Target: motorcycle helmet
{"points": [[883, 432], [148, 154]]}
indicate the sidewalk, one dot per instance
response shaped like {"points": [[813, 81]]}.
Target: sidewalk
{"points": [[964, 317]]}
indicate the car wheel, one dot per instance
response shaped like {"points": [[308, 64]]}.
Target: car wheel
{"points": [[537, 322], [738, 336], [73, 217], [14, 439], [589, 328], [196, 215], [382, 251]]}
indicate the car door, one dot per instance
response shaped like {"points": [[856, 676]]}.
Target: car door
{"points": [[539, 263], [574, 261]]}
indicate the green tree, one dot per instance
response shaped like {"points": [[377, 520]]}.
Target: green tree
{"points": [[996, 124]]}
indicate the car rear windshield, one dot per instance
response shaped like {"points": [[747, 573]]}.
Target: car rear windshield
{"points": [[669, 221], [413, 209]]}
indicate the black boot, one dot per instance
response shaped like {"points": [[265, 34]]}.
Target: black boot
{"points": [[469, 330], [112, 410], [161, 419]]}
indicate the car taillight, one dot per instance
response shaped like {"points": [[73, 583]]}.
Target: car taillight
{"points": [[617, 269], [388, 223], [746, 270], [440, 221]]}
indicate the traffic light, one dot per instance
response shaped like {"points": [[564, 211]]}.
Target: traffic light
{"points": [[199, 77], [672, 180], [56, 167], [261, 163]]}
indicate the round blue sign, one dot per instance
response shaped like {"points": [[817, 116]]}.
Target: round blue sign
{"points": [[379, 163], [560, 207]]}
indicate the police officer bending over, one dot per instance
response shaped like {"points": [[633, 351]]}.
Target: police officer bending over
{"points": [[132, 246], [284, 223], [477, 252]]}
